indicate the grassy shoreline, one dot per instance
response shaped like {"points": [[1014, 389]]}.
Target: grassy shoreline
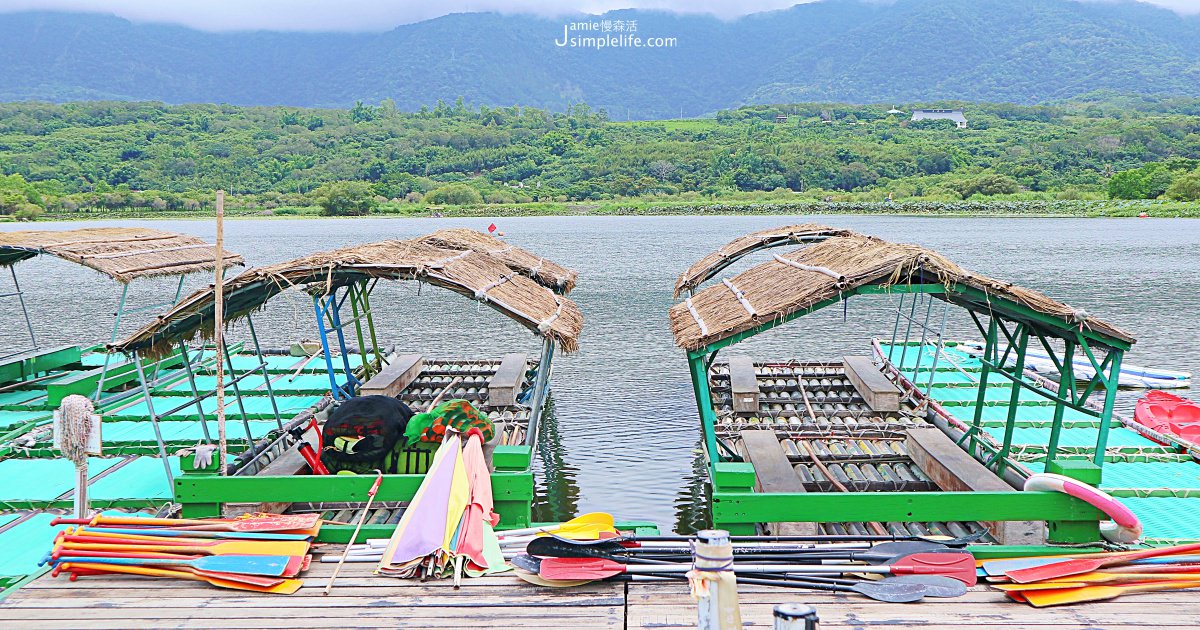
{"points": [[983, 209]]}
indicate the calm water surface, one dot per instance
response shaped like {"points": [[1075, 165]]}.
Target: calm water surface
{"points": [[624, 434]]}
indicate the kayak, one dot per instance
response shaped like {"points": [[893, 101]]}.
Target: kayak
{"points": [[1169, 414], [1131, 375]]}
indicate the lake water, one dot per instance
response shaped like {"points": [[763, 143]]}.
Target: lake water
{"points": [[624, 434]]}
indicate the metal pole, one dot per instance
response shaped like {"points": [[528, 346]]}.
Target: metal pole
{"points": [[187, 366], [162, 447], [219, 330], [1014, 398], [1066, 380], [358, 331], [708, 418], [1110, 398], [262, 364], [25, 311], [334, 389], [989, 348], [907, 335], [896, 328], [939, 350], [540, 386], [334, 313], [366, 300], [237, 392]]}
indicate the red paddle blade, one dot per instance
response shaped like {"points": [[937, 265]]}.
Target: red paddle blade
{"points": [[1055, 570], [960, 566], [579, 568]]}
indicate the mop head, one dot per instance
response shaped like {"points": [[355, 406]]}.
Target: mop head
{"points": [[75, 428]]}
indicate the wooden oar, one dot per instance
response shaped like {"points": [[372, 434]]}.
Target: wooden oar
{"points": [[193, 533], [1058, 597], [285, 587], [216, 548], [960, 567], [101, 557], [268, 523], [270, 566], [1076, 566], [346, 552], [592, 521], [1098, 577]]}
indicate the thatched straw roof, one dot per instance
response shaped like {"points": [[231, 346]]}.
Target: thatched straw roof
{"points": [[547, 273], [471, 273], [713, 263], [120, 253], [801, 279]]}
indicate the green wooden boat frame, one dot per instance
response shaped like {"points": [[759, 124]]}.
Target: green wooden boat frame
{"points": [[1007, 327], [203, 491]]}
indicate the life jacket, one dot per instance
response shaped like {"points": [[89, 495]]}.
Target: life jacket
{"points": [[365, 433]]}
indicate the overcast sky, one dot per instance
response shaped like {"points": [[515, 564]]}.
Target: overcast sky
{"points": [[378, 15]]}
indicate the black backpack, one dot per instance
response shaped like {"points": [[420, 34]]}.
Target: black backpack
{"points": [[363, 434]]}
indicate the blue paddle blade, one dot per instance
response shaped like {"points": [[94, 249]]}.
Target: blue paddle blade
{"points": [[272, 566]]}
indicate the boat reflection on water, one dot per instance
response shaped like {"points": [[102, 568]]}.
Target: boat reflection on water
{"points": [[556, 492]]}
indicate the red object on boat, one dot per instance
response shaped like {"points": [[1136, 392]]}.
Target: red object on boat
{"points": [[492, 228], [1167, 413]]}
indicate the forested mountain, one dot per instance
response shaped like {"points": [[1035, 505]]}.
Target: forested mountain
{"points": [[1024, 51]]}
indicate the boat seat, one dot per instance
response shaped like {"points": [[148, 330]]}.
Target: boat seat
{"points": [[394, 377]]}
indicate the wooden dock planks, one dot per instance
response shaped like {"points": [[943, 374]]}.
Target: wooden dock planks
{"points": [[361, 600]]}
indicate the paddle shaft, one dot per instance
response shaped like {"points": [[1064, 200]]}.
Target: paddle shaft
{"points": [[354, 536]]}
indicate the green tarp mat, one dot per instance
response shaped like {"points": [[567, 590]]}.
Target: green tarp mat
{"points": [[127, 432], [254, 384], [993, 395], [14, 418], [925, 359], [1149, 475], [142, 478], [27, 543], [1028, 413], [1077, 437], [257, 407], [1166, 517], [20, 397], [44, 479]]}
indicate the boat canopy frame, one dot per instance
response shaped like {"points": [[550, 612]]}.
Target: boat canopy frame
{"points": [[525, 288], [1007, 326]]}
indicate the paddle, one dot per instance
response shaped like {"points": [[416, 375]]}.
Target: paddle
{"points": [[193, 533], [882, 553], [1076, 566], [103, 556], [1102, 577], [592, 521], [958, 566], [215, 548], [528, 569], [285, 587], [995, 568], [949, 542], [1057, 597], [263, 523], [272, 566], [295, 564]]}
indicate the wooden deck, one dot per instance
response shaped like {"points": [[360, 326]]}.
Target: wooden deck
{"points": [[364, 601]]}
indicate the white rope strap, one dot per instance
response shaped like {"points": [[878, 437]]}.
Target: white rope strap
{"points": [[696, 316], [544, 325], [481, 294], [837, 277], [445, 261], [533, 271], [741, 298]]}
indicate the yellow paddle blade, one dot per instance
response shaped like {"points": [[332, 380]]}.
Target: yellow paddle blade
{"points": [[1060, 596], [285, 587], [586, 531], [1099, 577]]}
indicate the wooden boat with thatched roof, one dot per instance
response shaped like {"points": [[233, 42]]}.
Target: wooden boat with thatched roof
{"points": [[134, 470], [271, 473], [920, 437]]}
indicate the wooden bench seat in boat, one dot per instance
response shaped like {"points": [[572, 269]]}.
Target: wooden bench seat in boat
{"points": [[505, 385], [743, 384], [773, 473], [879, 393], [954, 470], [394, 377]]}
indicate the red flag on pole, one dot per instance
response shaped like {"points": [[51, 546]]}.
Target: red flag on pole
{"points": [[492, 228]]}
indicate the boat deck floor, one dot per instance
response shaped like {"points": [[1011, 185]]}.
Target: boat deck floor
{"points": [[361, 600]]}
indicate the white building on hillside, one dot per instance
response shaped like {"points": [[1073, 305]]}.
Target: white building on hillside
{"points": [[956, 115]]}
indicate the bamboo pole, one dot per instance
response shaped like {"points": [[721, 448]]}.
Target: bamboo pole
{"points": [[219, 329]]}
